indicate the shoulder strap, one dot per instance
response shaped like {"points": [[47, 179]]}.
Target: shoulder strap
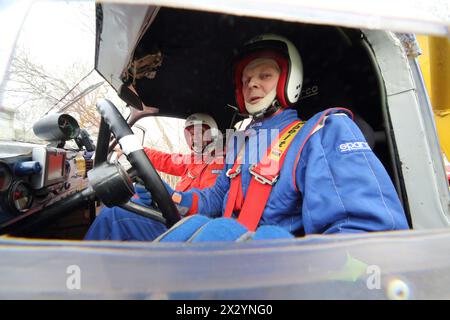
{"points": [[264, 176], [266, 173]]}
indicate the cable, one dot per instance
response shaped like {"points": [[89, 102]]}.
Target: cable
{"points": [[56, 103]]}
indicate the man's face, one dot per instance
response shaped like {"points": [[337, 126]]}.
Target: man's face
{"points": [[259, 78], [198, 137]]}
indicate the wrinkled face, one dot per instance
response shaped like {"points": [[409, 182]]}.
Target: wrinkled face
{"points": [[259, 78], [198, 137]]}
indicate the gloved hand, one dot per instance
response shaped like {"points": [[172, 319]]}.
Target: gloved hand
{"points": [[144, 196], [183, 201]]}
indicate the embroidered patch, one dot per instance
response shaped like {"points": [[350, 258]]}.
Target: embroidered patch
{"points": [[176, 197], [353, 147]]}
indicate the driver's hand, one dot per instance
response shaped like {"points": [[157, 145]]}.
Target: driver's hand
{"points": [[143, 194], [118, 151], [183, 204], [119, 156]]}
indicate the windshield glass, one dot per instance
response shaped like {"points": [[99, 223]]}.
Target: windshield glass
{"points": [[50, 67]]}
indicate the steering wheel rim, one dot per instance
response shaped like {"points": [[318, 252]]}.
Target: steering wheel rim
{"points": [[139, 160]]}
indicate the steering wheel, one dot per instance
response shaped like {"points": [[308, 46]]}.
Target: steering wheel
{"points": [[139, 160]]}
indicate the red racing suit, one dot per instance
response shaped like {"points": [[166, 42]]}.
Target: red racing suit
{"points": [[195, 172]]}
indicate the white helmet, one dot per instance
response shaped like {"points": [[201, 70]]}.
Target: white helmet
{"points": [[203, 119], [286, 55]]}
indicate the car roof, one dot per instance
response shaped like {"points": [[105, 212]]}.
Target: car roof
{"points": [[409, 16], [198, 46]]}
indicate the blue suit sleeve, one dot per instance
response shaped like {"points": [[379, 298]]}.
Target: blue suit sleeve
{"points": [[344, 186], [210, 200]]}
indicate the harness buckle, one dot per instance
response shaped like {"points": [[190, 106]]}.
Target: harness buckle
{"points": [[230, 174], [262, 179]]}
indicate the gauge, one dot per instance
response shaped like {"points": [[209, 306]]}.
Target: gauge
{"points": [[6, 177], [20, 196], [57, 127], [69, 126]]}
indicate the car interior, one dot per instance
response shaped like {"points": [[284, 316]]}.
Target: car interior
{"points": [[197, 48], [182, 65]]}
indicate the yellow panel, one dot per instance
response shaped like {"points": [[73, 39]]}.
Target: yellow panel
{"points": [[435, 65], [81, 166], [424, 61]]}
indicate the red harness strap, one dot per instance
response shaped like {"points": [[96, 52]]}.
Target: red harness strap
{"points": [[235, 196], [265, 174]]}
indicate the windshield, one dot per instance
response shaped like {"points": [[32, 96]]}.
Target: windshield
{"points": [[50, 67]]}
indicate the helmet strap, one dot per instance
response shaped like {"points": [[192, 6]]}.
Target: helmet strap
{"points": [[266, 112], [207, 149]]}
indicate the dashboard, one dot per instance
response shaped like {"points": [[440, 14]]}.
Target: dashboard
{"points": [[34, 176]]}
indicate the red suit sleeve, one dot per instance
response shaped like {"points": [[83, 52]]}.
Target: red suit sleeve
{"points": [[174, 164]]}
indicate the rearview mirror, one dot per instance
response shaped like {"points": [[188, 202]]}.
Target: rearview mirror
{"points": [[130, 98]]}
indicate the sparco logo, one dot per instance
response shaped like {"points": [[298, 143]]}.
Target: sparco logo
{"points": [[353, 146], [309, 92]]}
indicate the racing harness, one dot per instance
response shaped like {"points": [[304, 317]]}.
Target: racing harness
{"points": [[264, 174]]}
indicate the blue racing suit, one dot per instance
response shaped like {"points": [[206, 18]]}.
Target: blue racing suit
{"points": [[335, 185]]}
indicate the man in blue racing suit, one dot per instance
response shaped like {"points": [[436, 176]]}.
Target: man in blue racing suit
{"points": [[325, 177]]}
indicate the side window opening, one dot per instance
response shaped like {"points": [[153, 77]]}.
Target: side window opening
{"points": [[164, 134]]}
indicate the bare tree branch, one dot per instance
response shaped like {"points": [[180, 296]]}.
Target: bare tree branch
{"points": [[34, 91]]}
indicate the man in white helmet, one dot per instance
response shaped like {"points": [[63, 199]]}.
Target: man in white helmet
{"points": [[199, 169], [315, 177]]}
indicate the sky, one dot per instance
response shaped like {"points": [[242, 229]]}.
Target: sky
{"points": [[60, 32], [12, 14], [54, 33]]}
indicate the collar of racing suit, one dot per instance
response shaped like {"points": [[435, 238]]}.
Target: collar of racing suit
{"points": [[276, 121], [256, 149]]}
